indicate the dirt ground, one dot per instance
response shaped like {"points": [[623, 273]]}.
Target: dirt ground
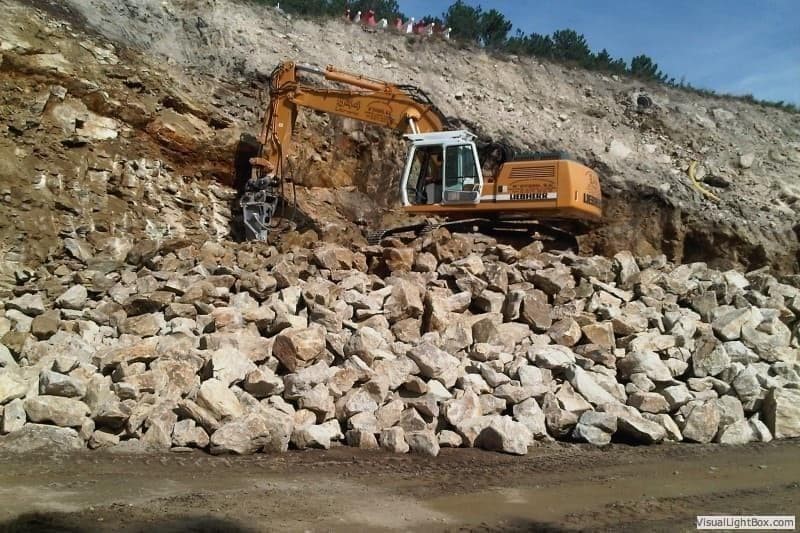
{"points": [[554, 488]]}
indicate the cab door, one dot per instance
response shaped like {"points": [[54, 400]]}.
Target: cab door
{"points": [[463, 181], [423, 176]]}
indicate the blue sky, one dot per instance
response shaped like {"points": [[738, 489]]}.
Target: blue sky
{"points": [[732, 46]]}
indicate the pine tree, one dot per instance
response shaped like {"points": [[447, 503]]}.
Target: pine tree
{"points": [[604, 61], [465, 21], [494, 28], [388, 9], [643, 67], [569, 45], [533, 45]]}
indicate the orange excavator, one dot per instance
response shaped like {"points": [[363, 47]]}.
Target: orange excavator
{"points": [[443, 175]]}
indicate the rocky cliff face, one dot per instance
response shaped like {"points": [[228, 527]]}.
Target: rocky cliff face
{"points": [[749, 156], [130, 316], [96, 146]]}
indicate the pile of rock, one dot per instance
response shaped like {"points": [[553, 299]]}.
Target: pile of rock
{"points": [[450, 340]]}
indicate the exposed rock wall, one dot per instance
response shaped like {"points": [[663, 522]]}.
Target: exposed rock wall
{"points": [[129, 318], [93, 147], [749, 155]]}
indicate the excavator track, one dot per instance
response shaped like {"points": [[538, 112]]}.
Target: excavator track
{"points": [[375, 237], [518, 230]]}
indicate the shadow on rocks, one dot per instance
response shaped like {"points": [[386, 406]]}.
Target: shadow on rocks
{"points": [[247, 147], [77, 523]]}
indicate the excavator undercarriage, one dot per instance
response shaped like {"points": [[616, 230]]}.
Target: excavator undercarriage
{"points": [[554, 234]]}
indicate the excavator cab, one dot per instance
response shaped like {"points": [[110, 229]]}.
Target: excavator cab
{"points": [[444, 176], [442, 168]]}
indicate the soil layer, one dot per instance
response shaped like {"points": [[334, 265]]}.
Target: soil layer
{"points": [[556, 487]]}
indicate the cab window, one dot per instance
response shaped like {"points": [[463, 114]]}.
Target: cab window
{"points": [[461, 171]]}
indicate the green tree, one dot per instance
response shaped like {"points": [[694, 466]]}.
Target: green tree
{"points": [[516, 44], [534, 44], [604, 61], [569, 45], [337, 7], [645, 68], [540, 45], [494, 28], [388, 9], [464, 20], [428, 19]]}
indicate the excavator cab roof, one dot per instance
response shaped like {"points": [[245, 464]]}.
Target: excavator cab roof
{"points": [[441, 137]]}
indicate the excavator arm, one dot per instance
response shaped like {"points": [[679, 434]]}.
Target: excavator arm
{"points": [[403, 108]]}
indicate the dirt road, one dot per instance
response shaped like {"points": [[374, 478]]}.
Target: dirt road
{"points": [[556, 487]]}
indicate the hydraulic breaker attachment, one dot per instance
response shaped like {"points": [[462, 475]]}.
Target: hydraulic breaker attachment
{"points": [[259, 204]]}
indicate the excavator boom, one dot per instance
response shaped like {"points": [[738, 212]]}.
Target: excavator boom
{"points": [[406, 109]]}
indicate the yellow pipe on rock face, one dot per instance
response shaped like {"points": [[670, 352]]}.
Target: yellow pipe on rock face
{"points": [[696, 184]]}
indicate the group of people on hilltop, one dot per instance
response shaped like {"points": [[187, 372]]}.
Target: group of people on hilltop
{"points": [[368, 20]]}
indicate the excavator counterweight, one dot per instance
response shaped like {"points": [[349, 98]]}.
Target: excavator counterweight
{"points": [[443, 175]]}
